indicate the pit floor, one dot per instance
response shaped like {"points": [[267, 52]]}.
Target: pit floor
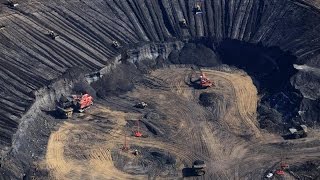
{"points": [[227, 137]]}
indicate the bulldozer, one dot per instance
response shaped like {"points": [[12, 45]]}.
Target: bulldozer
{"points": [[52, 35], [183, 23], [198, 167], [204, 81], [69, 104], [12, 3]]}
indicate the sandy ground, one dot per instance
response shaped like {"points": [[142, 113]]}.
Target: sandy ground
{"points": [[226, 137]]}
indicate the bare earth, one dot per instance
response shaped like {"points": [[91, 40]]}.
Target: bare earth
{"points": [[226, 137]]}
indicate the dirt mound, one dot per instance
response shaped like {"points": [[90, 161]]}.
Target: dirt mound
{"points": [[152, 161], [196, 54], [208, 99], [120, 80]]}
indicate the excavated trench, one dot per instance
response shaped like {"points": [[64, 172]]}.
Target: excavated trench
{"points": [[264, 38], [271, 70]]}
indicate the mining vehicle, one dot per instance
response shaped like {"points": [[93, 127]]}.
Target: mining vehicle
{"points": [[12, 4], [2, 27], [52, 35], [204, 81], [68, 104], [197, 7], [198, 167], [141, 105], [116, 44], [183, 23], [298, 132]]}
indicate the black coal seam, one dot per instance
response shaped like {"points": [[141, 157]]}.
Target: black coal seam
{"points": [[145, 15], [53, 45], [250, 24], [78, 60], [37, 37], [5, 138], [111, 33], [244, 23], [218, 23], [209, 19], [7, 126], [130, 37], [227, 14], [6, 121], [155, 21], [224, 17], [204, 20], [133, 20], [274, 37], [11, 110], [175, 19], [19, 103], [123, 19], [141, 21], [23, 64], [22, 77], [79, 35], [170, 11], [185, 13], [17, 88], [113, 24], [158, 15], [272, 22], [235, 15], [190, 10], [11, 91], [14, 77], [166, 18], [101, 48], [231, 12], [49, 44], [93, 38], [213, 23]]}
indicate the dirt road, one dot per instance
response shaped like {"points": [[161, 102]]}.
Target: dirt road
{"points": [[176, 130]]}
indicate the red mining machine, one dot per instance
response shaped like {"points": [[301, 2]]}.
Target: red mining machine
{"points": [[204, 81], [68, 104], [138, 133]]}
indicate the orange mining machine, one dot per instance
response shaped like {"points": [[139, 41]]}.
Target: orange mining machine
{"points": [[68, 104], [204, 81]]}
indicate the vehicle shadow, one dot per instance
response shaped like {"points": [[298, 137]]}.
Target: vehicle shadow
{"points": [[188, 172]]}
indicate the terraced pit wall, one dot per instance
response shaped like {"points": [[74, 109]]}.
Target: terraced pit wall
{"points": [[30, 59]]}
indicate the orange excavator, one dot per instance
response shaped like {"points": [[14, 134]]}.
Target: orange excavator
{"points": [[204, 81], [68, 104]]}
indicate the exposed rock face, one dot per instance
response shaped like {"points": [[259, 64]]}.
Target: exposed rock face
{"points": [[30, 59]]}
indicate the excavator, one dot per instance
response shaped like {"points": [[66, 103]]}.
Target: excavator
{"points": [[204, 81], [68, 104]]}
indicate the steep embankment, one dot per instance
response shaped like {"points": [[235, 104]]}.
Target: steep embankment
{"points": [[30, 59]]}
